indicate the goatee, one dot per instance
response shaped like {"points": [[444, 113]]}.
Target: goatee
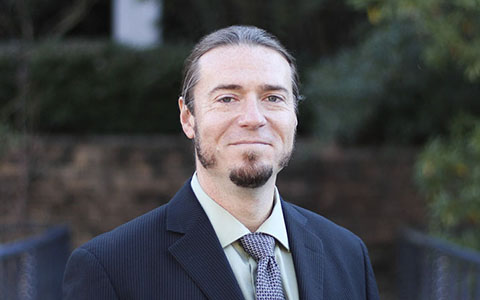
{"points": [[251, 175]]}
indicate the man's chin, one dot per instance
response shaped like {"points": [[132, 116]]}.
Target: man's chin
{"points": [[251, 176]]}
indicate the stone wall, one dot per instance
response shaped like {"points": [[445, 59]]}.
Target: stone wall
{"points": [[97, 183]]}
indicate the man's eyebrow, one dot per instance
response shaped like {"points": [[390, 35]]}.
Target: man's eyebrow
{"points": [[236, 87], [225, 87], [271, 87]]}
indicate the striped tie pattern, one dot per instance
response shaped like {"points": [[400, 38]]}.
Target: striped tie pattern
{"points": [[269, 281]]}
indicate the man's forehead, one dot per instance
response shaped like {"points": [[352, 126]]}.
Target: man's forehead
{"points": [[241, 52], [245, 62]]}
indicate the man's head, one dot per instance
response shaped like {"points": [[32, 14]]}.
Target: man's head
{"points": [[232, 36], [239, 105]]}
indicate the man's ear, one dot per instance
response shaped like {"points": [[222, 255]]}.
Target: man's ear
{"points": [[186, 119]]}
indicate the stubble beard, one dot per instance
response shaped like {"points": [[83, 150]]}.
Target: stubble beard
{"points": [[207, 160], [252, 174]]}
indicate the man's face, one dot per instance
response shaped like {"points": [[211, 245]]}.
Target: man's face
{"points": [[244, 123]]}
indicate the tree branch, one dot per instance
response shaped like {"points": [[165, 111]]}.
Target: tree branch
{"points": [[26, 22], [70, 18]]}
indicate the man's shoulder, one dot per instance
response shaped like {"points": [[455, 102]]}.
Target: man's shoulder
{"points": [[324, 228], [141, 228], [343, 255]]}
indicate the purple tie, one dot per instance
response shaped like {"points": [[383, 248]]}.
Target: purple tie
{"points": [[269, 281]]}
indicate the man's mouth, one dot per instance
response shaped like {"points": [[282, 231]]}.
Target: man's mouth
{"points": [[250, 142]]}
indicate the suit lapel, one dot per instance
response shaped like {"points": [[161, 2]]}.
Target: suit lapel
{"points": [[199, 252], [307, 252]]}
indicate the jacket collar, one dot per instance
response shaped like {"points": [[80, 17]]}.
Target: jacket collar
{"points": [[198, 251], [307, 252]]}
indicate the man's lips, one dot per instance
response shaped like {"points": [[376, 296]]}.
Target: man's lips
{"points": [[250, 143]]}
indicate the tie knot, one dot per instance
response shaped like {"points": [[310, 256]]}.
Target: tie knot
{"points": [[258, 245]]}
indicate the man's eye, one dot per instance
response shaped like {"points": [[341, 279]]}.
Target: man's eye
{"points": [[274, 99], [226, 99]]}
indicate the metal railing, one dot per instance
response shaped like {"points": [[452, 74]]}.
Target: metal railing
{"points": [[32, 267], [431, 268]]}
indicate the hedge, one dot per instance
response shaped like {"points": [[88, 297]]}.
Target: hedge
{"points": [[96, 88]]}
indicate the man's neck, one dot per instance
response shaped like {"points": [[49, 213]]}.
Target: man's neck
{"points": [[251, 206]]}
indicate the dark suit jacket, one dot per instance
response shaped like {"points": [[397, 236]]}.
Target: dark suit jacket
{"points": [[173, 252]]}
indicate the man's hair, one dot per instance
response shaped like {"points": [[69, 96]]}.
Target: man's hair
{"points": [[232, 36]]}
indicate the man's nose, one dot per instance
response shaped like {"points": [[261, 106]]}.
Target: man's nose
{"points": [[252, 115]]}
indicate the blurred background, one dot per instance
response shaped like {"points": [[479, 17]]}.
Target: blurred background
{"points": [[388, 138]]}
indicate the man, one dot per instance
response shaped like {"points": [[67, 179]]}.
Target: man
{"points": [[227, 234]]}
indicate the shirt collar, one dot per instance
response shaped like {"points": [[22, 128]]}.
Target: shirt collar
{"points": [[229, 229]]}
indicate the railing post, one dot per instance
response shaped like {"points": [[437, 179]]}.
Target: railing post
{"points": [[430, 268], [32, 268]]}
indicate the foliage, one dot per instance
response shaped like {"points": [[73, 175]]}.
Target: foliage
{"points": [[448, 172], [309, 28], [8, 138], [451, 29], [380, 91], [47, 19], [97, 88]]}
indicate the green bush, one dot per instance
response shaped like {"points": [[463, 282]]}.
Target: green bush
{"points": [[8, 138], [97, 88], [380, 92], [450, 29], [448, 173]]}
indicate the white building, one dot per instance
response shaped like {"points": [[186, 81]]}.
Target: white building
{"points": [[137, 22]]}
